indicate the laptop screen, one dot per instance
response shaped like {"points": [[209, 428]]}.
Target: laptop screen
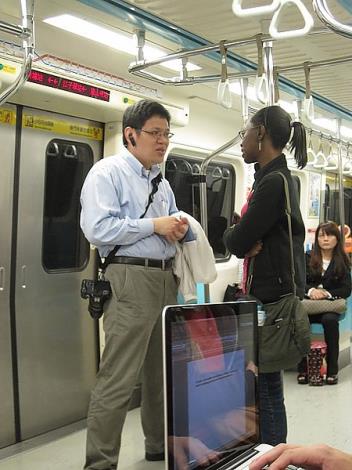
{"points": [[210, 354]]}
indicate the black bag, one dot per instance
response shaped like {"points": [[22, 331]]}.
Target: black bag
{"points": [[233, 292], [285, 336]]}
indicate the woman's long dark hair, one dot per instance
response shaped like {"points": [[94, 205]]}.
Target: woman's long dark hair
{"points": [[341, 261], [278, 124]]}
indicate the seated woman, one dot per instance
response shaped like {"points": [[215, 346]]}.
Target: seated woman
{"points": [[328, 275]]}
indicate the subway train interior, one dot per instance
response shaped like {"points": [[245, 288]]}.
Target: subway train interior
{"points": [[68, 71]]}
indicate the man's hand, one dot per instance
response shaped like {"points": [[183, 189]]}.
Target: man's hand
{"points": [[172, 228]]}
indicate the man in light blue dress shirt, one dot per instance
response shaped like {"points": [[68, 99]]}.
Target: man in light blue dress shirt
{"points": [[114, 196]]}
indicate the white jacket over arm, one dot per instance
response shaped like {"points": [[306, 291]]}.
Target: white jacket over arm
{"points": [[194, 261]]}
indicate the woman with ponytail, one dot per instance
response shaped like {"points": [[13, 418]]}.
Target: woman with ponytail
{"points": [[262, 232]]}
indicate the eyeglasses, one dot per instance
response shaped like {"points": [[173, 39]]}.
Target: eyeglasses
{"points": [[242, 133], [158, 134]]}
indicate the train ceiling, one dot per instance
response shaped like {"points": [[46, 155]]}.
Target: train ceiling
{"points": [[211, 21]]}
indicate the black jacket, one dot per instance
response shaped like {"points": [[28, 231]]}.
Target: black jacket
{"points": [[266, 220], [338, 287]]}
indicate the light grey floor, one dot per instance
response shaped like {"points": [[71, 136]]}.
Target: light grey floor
{"points": [[315, 414]]}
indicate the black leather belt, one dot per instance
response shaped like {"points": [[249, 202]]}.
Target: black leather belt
{"points": [[146, 262]]}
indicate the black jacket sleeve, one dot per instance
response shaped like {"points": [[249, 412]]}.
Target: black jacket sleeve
{"points": [[264, 210], [340, 289]]}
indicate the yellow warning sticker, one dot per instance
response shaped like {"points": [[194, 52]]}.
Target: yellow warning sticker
{"points": [[7, 116], [46, 123], [7, 68]]}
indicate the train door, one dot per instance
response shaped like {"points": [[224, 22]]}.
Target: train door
{"points": [[7, 139], [55, 339]]}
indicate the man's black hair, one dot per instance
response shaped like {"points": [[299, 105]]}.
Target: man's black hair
{"points": [[136, 115]]}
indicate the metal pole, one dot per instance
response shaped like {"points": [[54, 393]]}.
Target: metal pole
{"points": [[203, 192], [28, 47], [13, 29], [133, 68], [318, 63], [341, 191], [324, 14], [269, 70], [323, 135], [244, 100], [203, 183]]}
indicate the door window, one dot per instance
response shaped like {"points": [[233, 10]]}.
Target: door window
{"points": [[64, 246]]}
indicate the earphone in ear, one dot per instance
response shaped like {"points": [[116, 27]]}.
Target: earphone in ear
{"points": [[133, 142]]}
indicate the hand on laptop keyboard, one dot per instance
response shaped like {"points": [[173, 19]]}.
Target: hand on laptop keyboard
{"points": [[319, 457]]}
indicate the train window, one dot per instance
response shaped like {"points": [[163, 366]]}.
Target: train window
{"points": [[64, 246], [181, 172], [331, 199]]}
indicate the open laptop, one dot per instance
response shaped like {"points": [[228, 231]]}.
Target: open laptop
{"points": [[210, 370]]}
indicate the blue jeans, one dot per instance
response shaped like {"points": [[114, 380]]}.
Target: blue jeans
{"points": [[272, 413]]}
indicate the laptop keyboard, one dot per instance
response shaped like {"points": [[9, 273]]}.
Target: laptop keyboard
{"points": [[290, 467]]}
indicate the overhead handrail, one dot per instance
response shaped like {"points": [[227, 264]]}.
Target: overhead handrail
{"points": [[26, 32], [308, 103], [252, 11], [326, 17], [307, 18], [139, 67]]}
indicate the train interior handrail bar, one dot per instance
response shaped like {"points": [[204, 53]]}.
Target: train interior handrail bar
{"points": [[26, 32], [326, 17]]}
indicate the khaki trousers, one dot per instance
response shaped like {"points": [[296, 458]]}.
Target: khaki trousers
{"points": [[133, 346]]}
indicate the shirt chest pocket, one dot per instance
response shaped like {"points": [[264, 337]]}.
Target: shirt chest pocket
{"points": [[159, 207]]}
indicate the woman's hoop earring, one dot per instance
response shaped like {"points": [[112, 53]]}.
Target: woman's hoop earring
{"points": [[259, 145]]}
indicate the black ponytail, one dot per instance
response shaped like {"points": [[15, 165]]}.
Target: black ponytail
{"points": [[298, 143], [278, 126]]}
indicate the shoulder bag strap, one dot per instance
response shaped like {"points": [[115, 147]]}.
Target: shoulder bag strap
{"points": [[104, 262], [289, 225]]}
